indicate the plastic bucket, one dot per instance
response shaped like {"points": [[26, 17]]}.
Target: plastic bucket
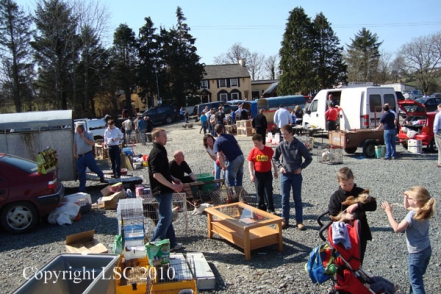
{"points": [[380, 151]]}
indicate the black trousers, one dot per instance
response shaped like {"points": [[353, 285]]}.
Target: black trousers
{"points": [[331, 125], [262, 132]]}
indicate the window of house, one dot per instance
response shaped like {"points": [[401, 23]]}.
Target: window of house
{"points": [[223, 97], [222, 83], [234, 82], [234, 96], [204, 84]]}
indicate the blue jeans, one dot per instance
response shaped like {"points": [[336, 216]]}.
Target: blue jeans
{"points": [[211, 129], [142, 134], [83, 162], [234, 172], [264, 189], [288, 181], [204, 127], [418, 263], [164, 229], [389, 141], [114, 154]]}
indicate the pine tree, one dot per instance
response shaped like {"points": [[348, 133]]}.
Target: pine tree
{"points": [[329, 65], [362, 57], [148, 60], [56, 48], [184, 72], [15, 35], [125, 59], [296, 55]]}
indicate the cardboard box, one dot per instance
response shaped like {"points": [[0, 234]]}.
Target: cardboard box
{"points": [[84, 242], [111, 202], [415, 149], [414, 143]]}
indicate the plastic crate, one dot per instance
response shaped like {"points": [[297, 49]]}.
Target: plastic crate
{"points": [[205, 177]]}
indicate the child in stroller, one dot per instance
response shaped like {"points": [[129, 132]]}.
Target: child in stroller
{"points": [[349, 277]]}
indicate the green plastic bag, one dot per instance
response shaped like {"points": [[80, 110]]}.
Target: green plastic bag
{"points": [[118, 245]]}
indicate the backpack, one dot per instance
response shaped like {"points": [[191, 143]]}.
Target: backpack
{"points": [[213, 119], [320, 265]]}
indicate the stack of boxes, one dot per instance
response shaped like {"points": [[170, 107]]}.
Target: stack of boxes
{"points": [[415, 146], [244, 128]]}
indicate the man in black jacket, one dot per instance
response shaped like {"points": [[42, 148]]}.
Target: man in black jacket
{"points": [[162, 186], [260, 124]]}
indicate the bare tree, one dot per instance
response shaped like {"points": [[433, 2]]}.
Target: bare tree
{"points": [[271, 67], [234, 54], [384, 73], [422, 58], [255, 65], [94, 15]]}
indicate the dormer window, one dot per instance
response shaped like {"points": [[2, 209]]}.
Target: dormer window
{"points": [[222, 83]]}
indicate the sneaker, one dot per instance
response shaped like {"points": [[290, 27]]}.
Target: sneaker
{"points": [[177, 247], [301, 227]]}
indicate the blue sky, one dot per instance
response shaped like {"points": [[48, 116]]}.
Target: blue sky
{"points": [[259, 25]]}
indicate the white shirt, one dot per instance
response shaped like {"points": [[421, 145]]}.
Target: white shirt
{"points": [[282, 117], [112, 136], [437, 123]]}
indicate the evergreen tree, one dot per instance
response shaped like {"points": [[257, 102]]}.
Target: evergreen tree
{"points": [[362, 57], [92, 65], [125, 59], [296, 55], [148, 61], [15, 35], [55, 44], [329, 65], [184, 72]]}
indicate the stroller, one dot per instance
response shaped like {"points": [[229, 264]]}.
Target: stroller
{"points": [[349, 278]]}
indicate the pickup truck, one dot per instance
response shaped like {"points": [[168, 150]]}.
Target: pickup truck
{"points": [[96, 126]]}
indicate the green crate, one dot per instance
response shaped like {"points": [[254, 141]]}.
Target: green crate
{"points": [[205, 177]]}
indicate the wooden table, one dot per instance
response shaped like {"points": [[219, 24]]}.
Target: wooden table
{"points": [[245, 226]]}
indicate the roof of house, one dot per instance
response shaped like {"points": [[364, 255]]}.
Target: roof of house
{"points": [[224, 71], [258, 82]]}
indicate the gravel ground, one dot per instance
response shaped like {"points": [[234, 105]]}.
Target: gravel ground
{"points": [[268, 271]]}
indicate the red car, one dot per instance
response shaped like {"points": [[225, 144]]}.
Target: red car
{"points": [[25, 195], [417, 120]]}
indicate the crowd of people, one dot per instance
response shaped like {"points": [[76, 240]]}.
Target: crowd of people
{"points": [[286, 163]]}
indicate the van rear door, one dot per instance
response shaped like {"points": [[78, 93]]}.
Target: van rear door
{"points": [[376, 98]]}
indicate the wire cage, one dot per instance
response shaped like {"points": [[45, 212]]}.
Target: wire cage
{"points": [[330, 155], [131, 222], [307, 141], [232, 194], [179, 210]]}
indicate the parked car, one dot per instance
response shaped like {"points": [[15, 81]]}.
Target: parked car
{"points": [[161, 114], [417, 122], [413, 94], [436, 95], [25, 195], [96, 126], [431, 103]]}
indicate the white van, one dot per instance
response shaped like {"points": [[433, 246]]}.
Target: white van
{"points": [[361, 107]]}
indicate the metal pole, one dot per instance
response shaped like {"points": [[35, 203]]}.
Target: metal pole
{"points": [[157, 85]]}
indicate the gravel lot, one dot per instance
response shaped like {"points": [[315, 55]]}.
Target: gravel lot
{"points": [[268, 271]]}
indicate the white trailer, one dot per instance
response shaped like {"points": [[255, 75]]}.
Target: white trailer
{"points": [[27, 133]]}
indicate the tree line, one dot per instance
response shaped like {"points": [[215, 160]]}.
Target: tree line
{"points": [[55, 58]]}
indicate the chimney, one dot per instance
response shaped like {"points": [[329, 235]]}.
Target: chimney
{"points": [[242, 62]]}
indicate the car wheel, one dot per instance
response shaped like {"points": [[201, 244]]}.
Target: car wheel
{"points": [[19, 217], [168, 120], [432, 146], [351, 150], [369, 148]]}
